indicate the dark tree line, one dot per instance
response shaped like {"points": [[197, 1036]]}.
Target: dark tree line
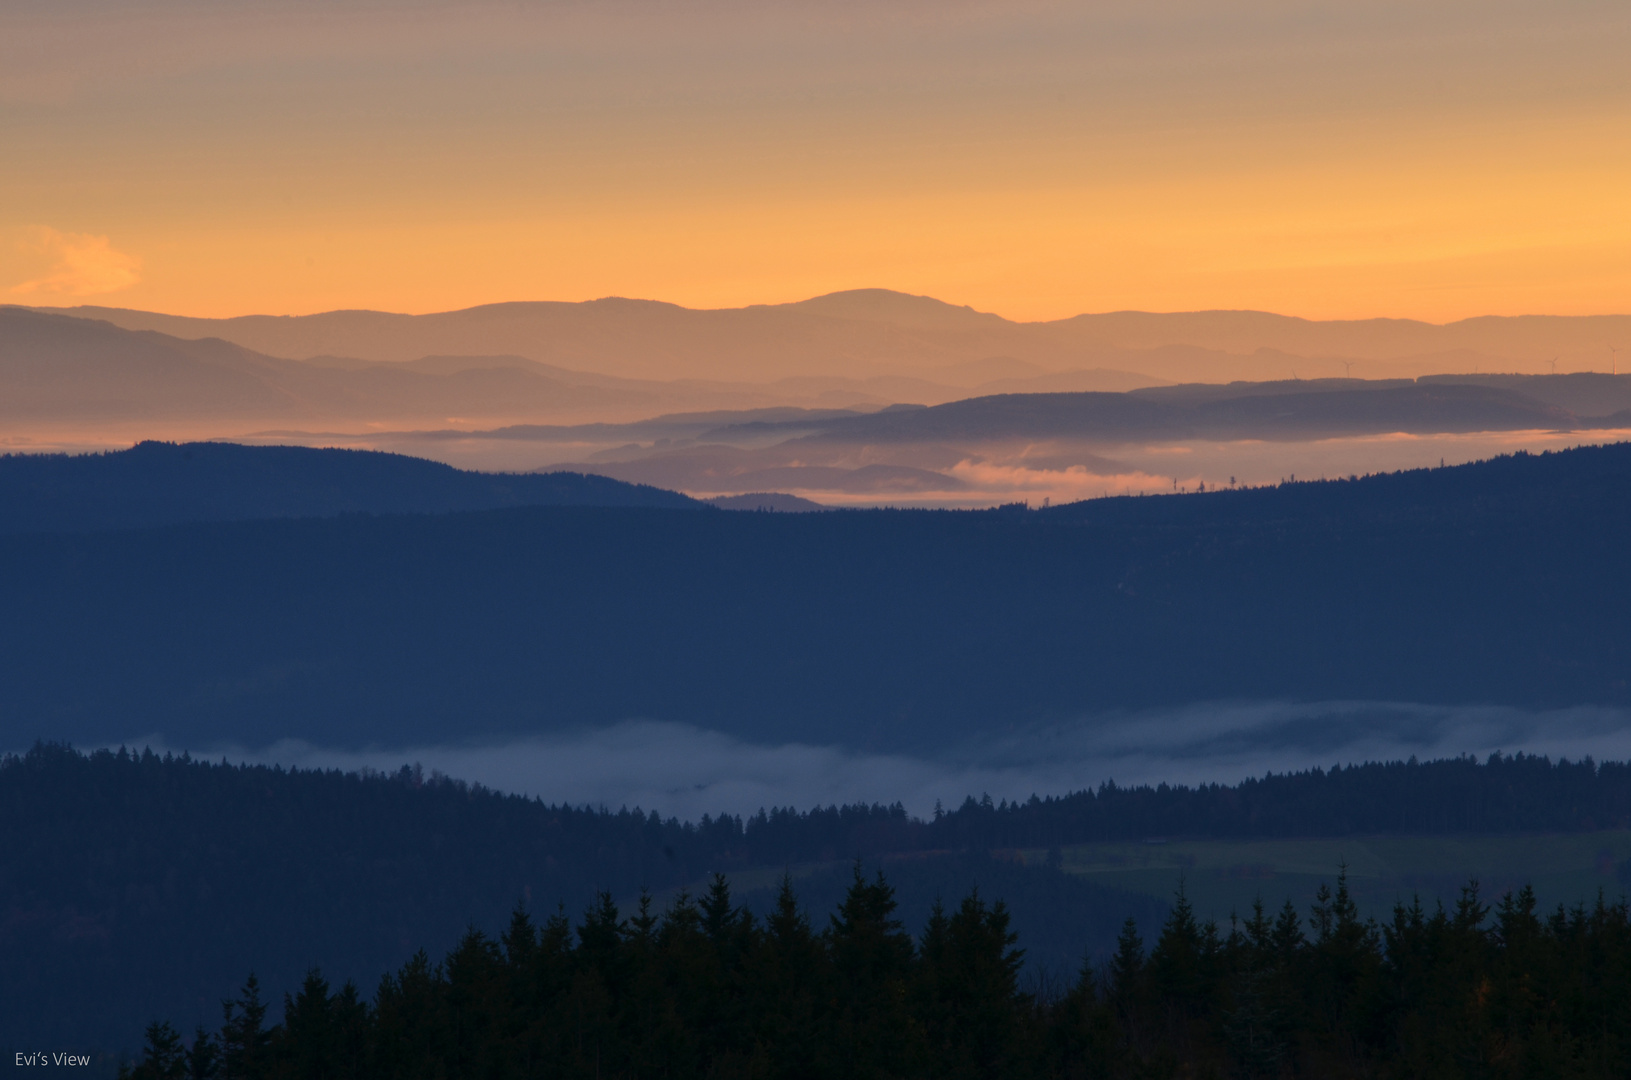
{"points": [[128, 879], [1503, 793], [57, 790], [132, 878], [707, 990]]}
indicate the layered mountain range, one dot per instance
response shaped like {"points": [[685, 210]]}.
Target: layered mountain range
{"points": [[864, 396], [61, 368], [871, 332], [624, 359]]}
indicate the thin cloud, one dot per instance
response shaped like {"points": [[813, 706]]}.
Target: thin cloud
{"points": [[79, 264]]}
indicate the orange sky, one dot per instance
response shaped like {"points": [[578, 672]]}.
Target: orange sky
{"points": [[1434, 159]]}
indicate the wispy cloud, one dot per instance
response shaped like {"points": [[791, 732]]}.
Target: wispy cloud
{"points": [[77, 264], [683, 770]]}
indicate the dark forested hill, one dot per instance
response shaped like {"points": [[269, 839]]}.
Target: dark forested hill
{"points": [[1301, 409], [157, 483], [1502, 582], [134, 886]]}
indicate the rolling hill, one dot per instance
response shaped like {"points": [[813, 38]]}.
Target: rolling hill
{"points": [[164, 483], [1500, 583]]}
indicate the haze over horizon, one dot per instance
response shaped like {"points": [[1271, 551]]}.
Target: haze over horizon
{"points": [[773, 398], [794, 301], [1432, 161]]}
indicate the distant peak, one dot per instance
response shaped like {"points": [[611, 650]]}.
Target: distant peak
{"points": [[887, 305]]}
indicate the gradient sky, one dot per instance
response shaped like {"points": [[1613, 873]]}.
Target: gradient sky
{"points": [[1431, 158]]}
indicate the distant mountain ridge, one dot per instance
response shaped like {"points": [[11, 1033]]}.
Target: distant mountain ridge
{"points": [[157, 483], [869, 332], [58, 368], [55, 368], [1287, 410]]}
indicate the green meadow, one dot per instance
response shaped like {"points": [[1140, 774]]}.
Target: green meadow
{"points": [[1224, 877]]}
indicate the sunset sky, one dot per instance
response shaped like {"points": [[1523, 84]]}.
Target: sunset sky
{"points": [[1432, 158]]}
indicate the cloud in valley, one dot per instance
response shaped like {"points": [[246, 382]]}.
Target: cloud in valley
{"points": [[1067, 484], [682, 770]]}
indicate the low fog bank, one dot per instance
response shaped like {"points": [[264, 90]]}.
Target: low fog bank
{"points": [[968, 476], [941, 477], [685, 771]]}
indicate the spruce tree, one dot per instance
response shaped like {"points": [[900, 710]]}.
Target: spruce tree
{"points": [[245, 1042], [163, 1056]]}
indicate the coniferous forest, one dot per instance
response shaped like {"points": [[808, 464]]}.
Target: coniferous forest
{"points": [[137, 885], [1501, 583], [706, 990]]}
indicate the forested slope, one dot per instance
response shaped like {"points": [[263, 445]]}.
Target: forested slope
{"points": [[1503, 582], [133, 885], [156, 483]]}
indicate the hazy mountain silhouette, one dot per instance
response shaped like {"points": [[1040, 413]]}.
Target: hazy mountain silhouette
{"points": [[873, 332], [164, 483], [1287, 410], [620, 360], [959, 450], [889, 306], [1420, 409], [57, 369], [1586, 394], [615, 336]]}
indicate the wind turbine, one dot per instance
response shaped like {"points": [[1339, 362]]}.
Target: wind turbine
{"points": [[1614, 357], [1553, 362], [1347, 368]]}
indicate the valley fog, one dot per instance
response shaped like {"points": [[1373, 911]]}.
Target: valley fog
{"points": [[684, 771]]}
